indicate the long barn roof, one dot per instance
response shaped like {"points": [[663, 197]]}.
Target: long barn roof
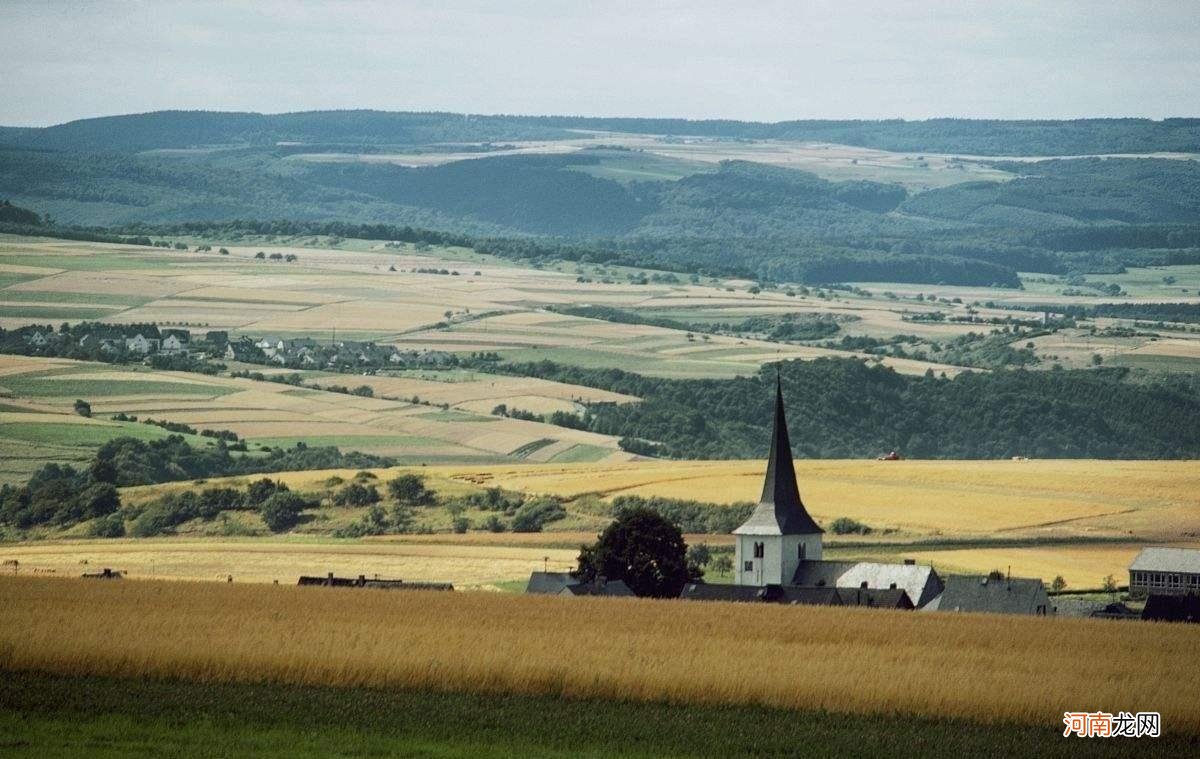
{"points": [[780, 510]]}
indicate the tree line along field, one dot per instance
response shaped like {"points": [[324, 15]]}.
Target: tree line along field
{"points": [[856, 662]]}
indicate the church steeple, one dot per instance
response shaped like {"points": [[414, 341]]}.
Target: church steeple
{"points": [[780, 510]]}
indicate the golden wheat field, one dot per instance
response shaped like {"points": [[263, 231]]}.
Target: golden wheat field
{"points": [[1158, 499], [855, 661], [267, 561]]}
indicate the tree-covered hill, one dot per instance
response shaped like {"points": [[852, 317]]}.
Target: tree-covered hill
{"points": [[185, 129], [778, 224], [843, 408]]}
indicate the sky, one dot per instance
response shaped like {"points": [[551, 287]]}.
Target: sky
{"points": [[761, 61]]}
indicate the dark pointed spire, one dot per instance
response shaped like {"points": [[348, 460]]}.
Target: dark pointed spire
{"points": [[780, 510]]}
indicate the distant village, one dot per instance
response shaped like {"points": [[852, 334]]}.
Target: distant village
{"points": [[117, 343]]}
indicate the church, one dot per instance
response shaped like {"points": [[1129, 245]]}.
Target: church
{"points": [[778, 551]]}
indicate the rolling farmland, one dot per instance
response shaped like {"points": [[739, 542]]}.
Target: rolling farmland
{"points": [[456, 300], [39, 425]]}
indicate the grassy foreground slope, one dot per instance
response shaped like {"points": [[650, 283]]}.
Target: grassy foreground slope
{"points": [[55, 716]]}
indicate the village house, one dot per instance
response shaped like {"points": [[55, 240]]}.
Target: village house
{"points": [[1165, 571], [981, 593], [142, 343], [175, 342], [38, 339], [563, 584], [245, 350]]}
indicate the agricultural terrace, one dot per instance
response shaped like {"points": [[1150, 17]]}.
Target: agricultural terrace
{"points": [[852, 661]]}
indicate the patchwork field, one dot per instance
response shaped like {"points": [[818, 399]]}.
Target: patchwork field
{"points": [[363, 290], [38, 424]]}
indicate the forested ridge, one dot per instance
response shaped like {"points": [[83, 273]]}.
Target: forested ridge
{"points": [[844, 408], [181, 129]]}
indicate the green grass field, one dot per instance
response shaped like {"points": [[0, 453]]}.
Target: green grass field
{"points": [[45, 387], [84, 435], [52, 717], [50, 296]]}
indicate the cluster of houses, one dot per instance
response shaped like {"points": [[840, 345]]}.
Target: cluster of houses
{"points": [[307, 353], [113, 339], [778, 560], [117, 342]]}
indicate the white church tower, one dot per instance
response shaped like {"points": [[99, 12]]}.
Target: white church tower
{"points": [[780, 533]]}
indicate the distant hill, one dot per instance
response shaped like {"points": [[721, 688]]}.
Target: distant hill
{"points": [[186, 129], [1083, 215]]}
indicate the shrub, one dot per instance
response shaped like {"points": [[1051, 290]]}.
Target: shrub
{"points": [[848, 526], [155, 520], [356, 494], [535, 513], [83, 408], [111, 526], [461, 525], [410, 489], [260, 490], [493, 524], [215, 500], [281, 511]]}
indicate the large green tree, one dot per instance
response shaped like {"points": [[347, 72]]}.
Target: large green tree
{"points": [[642, 548]]}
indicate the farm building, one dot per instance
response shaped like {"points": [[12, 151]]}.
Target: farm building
{"points": [[980, 593], [798, 596], [563, 584], [1165, 571], [1172, 608], [362, 581], [780, 543]]}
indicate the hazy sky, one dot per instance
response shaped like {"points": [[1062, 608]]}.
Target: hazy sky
{"points": [[745, 60]]}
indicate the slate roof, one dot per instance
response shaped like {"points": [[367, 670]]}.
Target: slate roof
{"points": [[883, 598], [1153, 559], [780, 510], [920, 581], [549, 582], [979, 593], [616, 588], [796, 596], [1160, 608], [563, 584]]}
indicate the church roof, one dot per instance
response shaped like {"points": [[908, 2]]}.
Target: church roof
{"points": [[780, 510]]}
